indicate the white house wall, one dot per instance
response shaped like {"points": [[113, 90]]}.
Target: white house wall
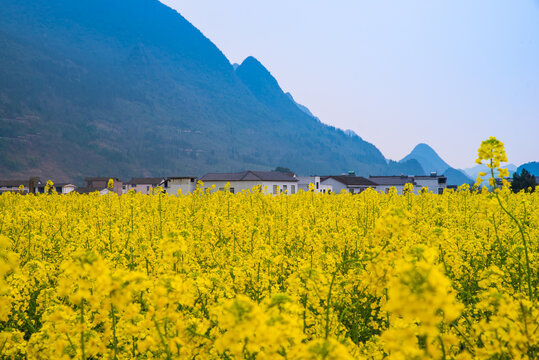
{"points": [[186, 188], [239, 186], [432, 184], [336, 186]]}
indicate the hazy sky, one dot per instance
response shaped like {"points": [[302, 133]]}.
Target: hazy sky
{"points": [[447, 73]]}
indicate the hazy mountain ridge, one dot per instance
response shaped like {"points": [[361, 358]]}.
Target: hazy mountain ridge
{"points": [[431, 162], [130, 88], [473, 172]]}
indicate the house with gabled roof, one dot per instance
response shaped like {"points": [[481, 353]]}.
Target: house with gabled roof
{"points": [[351, 183], [13, 185], [101, 183], [271, 182], [30, 185]]}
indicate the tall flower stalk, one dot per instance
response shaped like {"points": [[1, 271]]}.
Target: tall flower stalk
{"points": [[492, 150]]}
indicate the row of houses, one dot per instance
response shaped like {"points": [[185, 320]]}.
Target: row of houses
{"points": [[271, 182]]}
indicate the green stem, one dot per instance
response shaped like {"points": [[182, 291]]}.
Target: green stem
{"points": [[521, 230], [114, 338], [163, 342], [328, 300], [83, 355]]}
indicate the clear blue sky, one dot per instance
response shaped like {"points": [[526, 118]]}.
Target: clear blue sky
{"points": [[447, 73]]}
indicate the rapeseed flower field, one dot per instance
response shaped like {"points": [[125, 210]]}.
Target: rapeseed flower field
{"points": [[252, 276]]}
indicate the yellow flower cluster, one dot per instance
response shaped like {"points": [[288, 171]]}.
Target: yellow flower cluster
{"points": [[493, 151], [251, 276]]}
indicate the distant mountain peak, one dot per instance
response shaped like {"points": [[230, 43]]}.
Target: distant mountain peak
{"points": [[428, 158], [255, 68], [263, 85], [431, 162], [254, 74], [423, 147]]}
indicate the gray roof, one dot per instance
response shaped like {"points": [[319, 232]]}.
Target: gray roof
{"points": [[351, 180], [14, 183], [145, 181], [433, 177], [249, 176], [101, 178], [392, 180]]}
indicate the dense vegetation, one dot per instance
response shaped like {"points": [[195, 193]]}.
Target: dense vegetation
{"points": [[251, 276]]}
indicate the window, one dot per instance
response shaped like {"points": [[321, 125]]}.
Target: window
{"points": [[285, 187], [275, 187], [147, 188], [440, 191], [232, 190], [317, 185], [124, 187], [293, 189]]}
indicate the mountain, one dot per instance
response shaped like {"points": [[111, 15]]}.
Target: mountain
{"points": [[130, 88], [473, 172], [430, 161], [532, 167], [428, 158]]}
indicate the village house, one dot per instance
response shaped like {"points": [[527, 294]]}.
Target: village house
{"points": [[385, 183], [271, 182], [60, 188], [92, 184], [91, 190], [34, 185], [30, 185], [434, 183], [187, 184], [350, 183], [13, 185], [304, 181], [142, 185]]}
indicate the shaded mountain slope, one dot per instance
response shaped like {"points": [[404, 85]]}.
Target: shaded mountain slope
{"points": [[457, 177], [130, 88], [532, 167]]}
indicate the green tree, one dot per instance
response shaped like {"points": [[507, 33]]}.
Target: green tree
{"points": [[523, 181]]}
